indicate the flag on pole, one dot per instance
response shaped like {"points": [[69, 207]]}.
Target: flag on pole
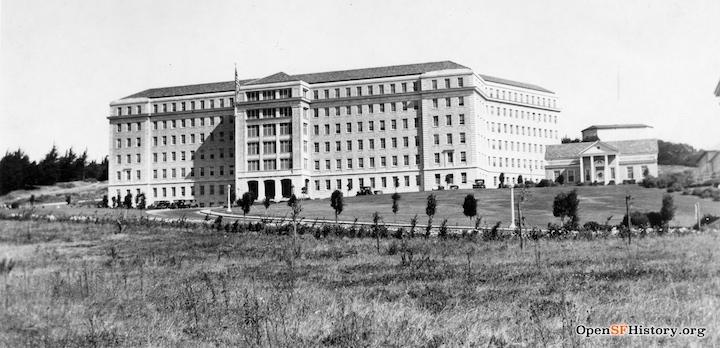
{"points": [[237, 84]]}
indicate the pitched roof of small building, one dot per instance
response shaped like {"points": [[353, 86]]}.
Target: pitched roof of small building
{"points": [[717, 90], [625, 147], [322, 77], [711, 155], [617, 126]]}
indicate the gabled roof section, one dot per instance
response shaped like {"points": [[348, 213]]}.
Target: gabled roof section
{"points": [[624, 147], [598, 143], [384, 71], [176, 91], [710, 156], [617, 126], [717, 90], [514, 83], [274, 78]]}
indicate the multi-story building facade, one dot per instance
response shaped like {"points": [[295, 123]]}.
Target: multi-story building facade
{"points": [[406, 128]]}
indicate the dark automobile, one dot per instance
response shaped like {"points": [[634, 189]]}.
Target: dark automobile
{"points": [[479, 184], [159, 205], [365, 190]]}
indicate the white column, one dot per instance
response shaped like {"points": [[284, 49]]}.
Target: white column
{"points": [[278, 190], [229, 188], [617, 169], [512, 207], [606, 170], [592, 168], [582, 169]]}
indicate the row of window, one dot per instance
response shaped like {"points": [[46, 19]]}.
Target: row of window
{"points": [[515, 163], [448, 120], [269, 129], [359, 126], [173, 124], [269, 164], [521, 114], [360, 109], [254, 114], [178, 106], [521, 130], [349, 163], [384, 182], [184, 138], [172, 173], [272, 94], [395, 181], [521, 97], [174, 157], [359, 91], [269, 147], [515, 146], [371, 144]]}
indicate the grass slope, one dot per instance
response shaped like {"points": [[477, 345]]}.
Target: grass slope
{"points": [[82, 285], [597, 203], [79, 190]]}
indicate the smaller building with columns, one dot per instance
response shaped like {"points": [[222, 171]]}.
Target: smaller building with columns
{"points": [[602, 162]]}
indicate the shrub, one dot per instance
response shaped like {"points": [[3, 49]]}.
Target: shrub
{"points": [[654, 219], [399, 233], [492, 234], [592, 226], [544, 183], [637, 219], [566, 205], [667, 212]]}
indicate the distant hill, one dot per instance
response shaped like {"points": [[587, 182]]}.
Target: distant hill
{"points": [[677, 154]]}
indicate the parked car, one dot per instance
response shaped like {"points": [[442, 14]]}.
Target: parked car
{"points": [[454, 187], [365, 190], [159, 205], [479, 184]]}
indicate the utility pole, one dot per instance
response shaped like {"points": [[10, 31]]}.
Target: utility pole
{"points": [[228, 197], [628, 197], [512, 208]]}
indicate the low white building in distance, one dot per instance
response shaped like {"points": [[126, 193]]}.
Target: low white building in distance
{"points": [[619, 155]]}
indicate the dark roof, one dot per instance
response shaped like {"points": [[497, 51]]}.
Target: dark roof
{"points": [[175, 91], [514, 83], [329, 76], [625, 147], [616, 126], [383, 71], [717, 90], [274, 78]]}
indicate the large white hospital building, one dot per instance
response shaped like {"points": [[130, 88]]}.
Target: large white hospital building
{"points": [[415, 126]]}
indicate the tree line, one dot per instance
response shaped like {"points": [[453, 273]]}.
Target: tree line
{"points": [[18, 172]]}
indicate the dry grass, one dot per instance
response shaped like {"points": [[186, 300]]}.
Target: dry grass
{"points": [[83, 285]]}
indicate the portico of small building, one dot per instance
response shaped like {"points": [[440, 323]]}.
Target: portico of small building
{"points": [[599, 162]]}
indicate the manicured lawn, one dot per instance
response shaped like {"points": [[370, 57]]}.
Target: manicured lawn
{"points": [[597, 203]]}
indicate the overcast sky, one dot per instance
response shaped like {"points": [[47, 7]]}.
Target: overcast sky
{"points": [[654, 62]]}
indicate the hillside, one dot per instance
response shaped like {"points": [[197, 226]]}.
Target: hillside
{"points": [[677, 154], [79, 190]]}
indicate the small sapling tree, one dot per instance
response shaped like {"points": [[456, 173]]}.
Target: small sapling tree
{"points": [[336, 202]]}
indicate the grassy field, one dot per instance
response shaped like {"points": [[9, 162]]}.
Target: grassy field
{"points": [[597, 203], [82, 285]]}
